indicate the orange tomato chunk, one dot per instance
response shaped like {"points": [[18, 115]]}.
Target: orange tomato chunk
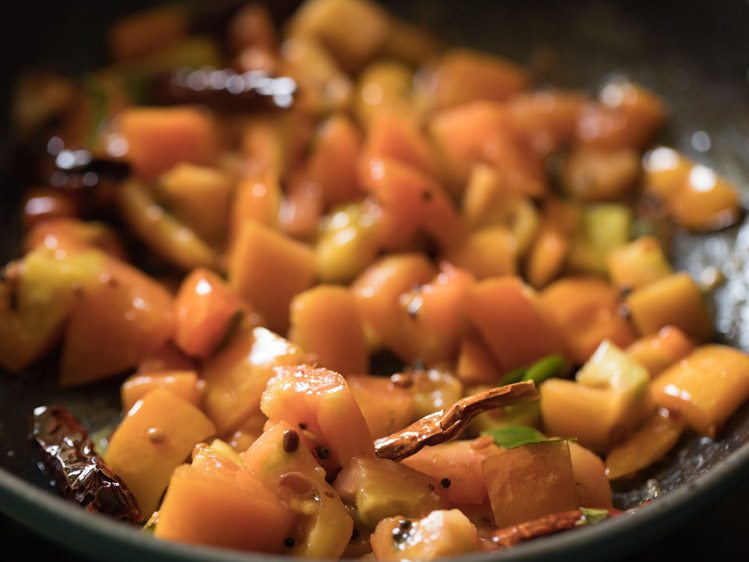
{"points": [[512, 322], [206, 308], [160, 138], [147, 446], [320, 402], [705, 387], [530, 481]]}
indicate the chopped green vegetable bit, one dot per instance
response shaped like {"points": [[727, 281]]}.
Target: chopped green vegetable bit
{"points": [[150, 526], [512, 436], [592, 516], [515, 436], [545, 368], [516, 375]]}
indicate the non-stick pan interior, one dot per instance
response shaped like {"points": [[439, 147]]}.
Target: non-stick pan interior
{"points": [[694, 54]]}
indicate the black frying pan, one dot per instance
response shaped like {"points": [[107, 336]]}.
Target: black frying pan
{"points": [[695, 54]]}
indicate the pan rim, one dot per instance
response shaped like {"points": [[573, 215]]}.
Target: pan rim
{"points": [[68, 525], [102, 538]]}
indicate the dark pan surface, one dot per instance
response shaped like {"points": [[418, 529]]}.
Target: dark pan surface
{"points": [[694, 54]]}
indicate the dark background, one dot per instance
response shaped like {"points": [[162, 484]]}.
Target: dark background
{"points": [[699, 49]]}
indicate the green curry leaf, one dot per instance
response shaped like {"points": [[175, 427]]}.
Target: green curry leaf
{"points": [[546, 367], [515, 436]]}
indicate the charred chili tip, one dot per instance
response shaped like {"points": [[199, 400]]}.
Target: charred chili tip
{"points": [[302, 426], [289, 542], [290, 440], [323, 452], [445, 482]]}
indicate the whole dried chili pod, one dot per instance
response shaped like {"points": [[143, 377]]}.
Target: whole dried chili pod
{"points": [[549, 525], [440, 426], [70, 168], [224, 89], [82, 475]]}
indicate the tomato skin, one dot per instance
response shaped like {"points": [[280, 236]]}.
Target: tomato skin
{"points": [[36, 299], [411, 309], [325, 321], [257, 198], [378, 289], [530, 481], [159, 138], [322, 525], [333, 163], [412, 203], [476, 365], [147, 446], [379, 488], [546, 119], [130, 308], [183, 383], [705, 387], [675, 300], [73, 291], [593, 489], [386, 407], [586, 309], [460, 463], [659, 351], [647, 445], [441, 533], [268, 269], [166, 358], [395, 134], [464, 75], [320, 402], [219, 503], [200, 196], [512, 322], [236, 377], [433, 318], [598, 418], [205, 308], [65, 232], [628, 115]]}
